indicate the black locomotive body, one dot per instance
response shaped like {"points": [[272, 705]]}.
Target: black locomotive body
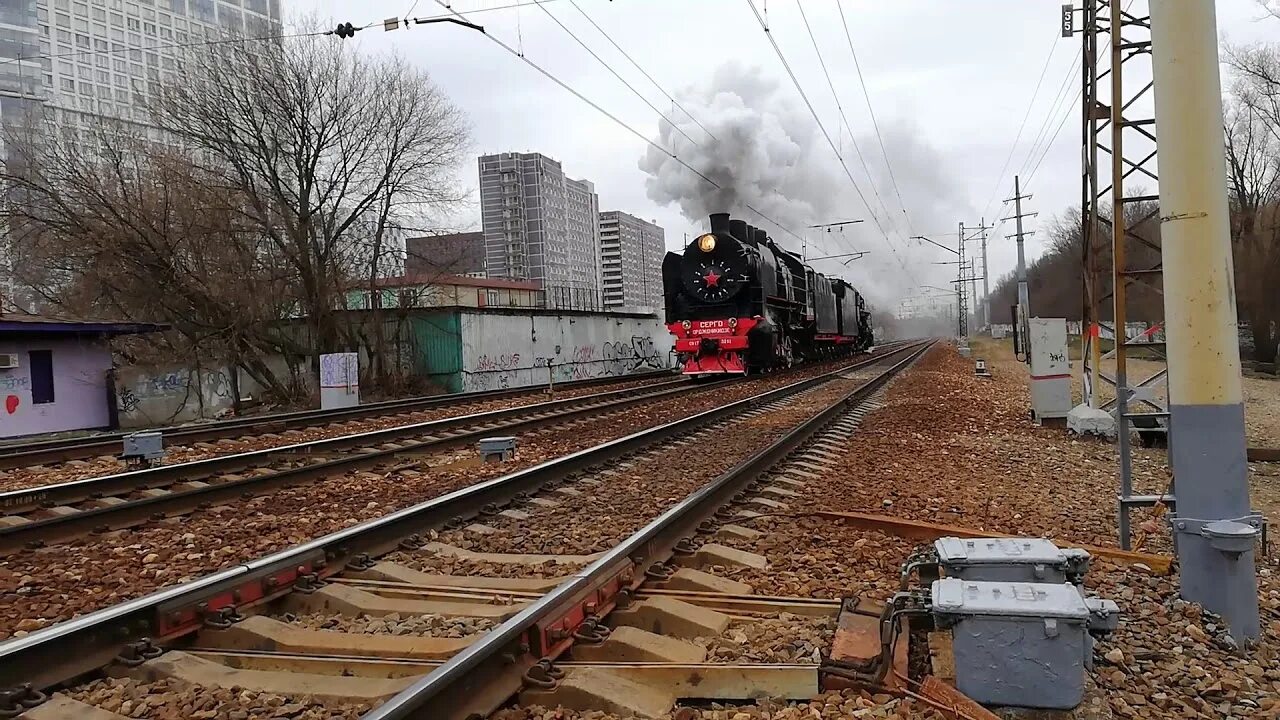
{"points": [[738, 303]]}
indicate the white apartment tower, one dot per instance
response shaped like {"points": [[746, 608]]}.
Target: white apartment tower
{"points": [[541, 225], [66, 63], [88, 58], [631, 252]]}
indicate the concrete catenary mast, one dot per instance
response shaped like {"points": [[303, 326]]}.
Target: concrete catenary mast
{"points": [[1214, 526]]}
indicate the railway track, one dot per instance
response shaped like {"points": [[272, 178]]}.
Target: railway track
{"points": [[48, 514], [54, 513], [577, 536], [14, 455]]}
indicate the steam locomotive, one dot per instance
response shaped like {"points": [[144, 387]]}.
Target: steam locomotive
{"points": [[738, 303]]}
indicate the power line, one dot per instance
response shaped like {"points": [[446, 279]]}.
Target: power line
{"points": [[1049, 119], [613, 72], [1049, 145], [511, 6], [839, 107], [626, 55], [1022, 126], [787, 66], [874, 123], [1064, 92], [618, 121]]}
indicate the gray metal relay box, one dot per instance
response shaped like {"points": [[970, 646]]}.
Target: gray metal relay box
{"points": [[1021, 644], [1011, 559], [143, 446]]}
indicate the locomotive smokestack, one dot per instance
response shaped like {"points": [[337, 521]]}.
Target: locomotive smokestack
{"points": [[719, 222], [738, 228], [759, 236]]}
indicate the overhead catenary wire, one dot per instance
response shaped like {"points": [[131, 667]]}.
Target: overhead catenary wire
{"points": [[840, 108], [616, 120], [1064, 93], [875, 124], [644, 72], [1013, 148], [791, 73], [1057, 113], [616, 74]]}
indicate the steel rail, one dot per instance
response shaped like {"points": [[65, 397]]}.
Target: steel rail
{"points": [[443, 434], [18, 454], [26, 499], [66, 650], [476, 681], [29, 499]]}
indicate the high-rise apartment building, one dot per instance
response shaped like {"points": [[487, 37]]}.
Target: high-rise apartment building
{"points": [[631, 252], [65, 63], [540, 225], [88, 58]]}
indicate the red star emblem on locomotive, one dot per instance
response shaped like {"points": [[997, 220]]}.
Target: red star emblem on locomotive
{"points": [[713, 280]]}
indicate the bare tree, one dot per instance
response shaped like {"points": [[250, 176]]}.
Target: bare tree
{"points": [[1253, 169], [269, 184], [331, 150], [105, 221]]}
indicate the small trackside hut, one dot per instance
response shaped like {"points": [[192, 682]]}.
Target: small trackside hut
{"points": [[55, 374], [738, 303]]}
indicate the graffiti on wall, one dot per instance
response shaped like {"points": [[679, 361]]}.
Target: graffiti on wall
{"points": [[491, 363], [578, 362], [173, 393], [12, 384], [640, 354]]}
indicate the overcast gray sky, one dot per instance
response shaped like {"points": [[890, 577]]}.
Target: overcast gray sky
{"points": [[949, 82]]}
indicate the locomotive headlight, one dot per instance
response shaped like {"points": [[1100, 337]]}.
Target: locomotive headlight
{"points": [[733, 322], [707, 243], [686, 324]]}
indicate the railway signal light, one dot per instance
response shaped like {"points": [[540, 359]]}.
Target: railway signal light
{"points": [[345, 30]]}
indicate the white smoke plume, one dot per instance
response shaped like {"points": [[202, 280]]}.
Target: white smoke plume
{"points": [[764, 153], [768, 153]]}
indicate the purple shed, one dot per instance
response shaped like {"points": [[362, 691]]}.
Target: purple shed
{"points": [[55, 373]]}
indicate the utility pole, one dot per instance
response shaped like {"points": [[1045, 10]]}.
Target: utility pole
{"points": [[1024, 299], [982, 229], [1214, 526], [986, 278], [962, 307]]}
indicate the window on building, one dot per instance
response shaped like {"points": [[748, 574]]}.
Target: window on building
{"points": [[491, 297], [41, 362]]}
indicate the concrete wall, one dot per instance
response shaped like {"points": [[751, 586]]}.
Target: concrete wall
{"points": [[79, 387], [149, 396], [508, 350]]}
